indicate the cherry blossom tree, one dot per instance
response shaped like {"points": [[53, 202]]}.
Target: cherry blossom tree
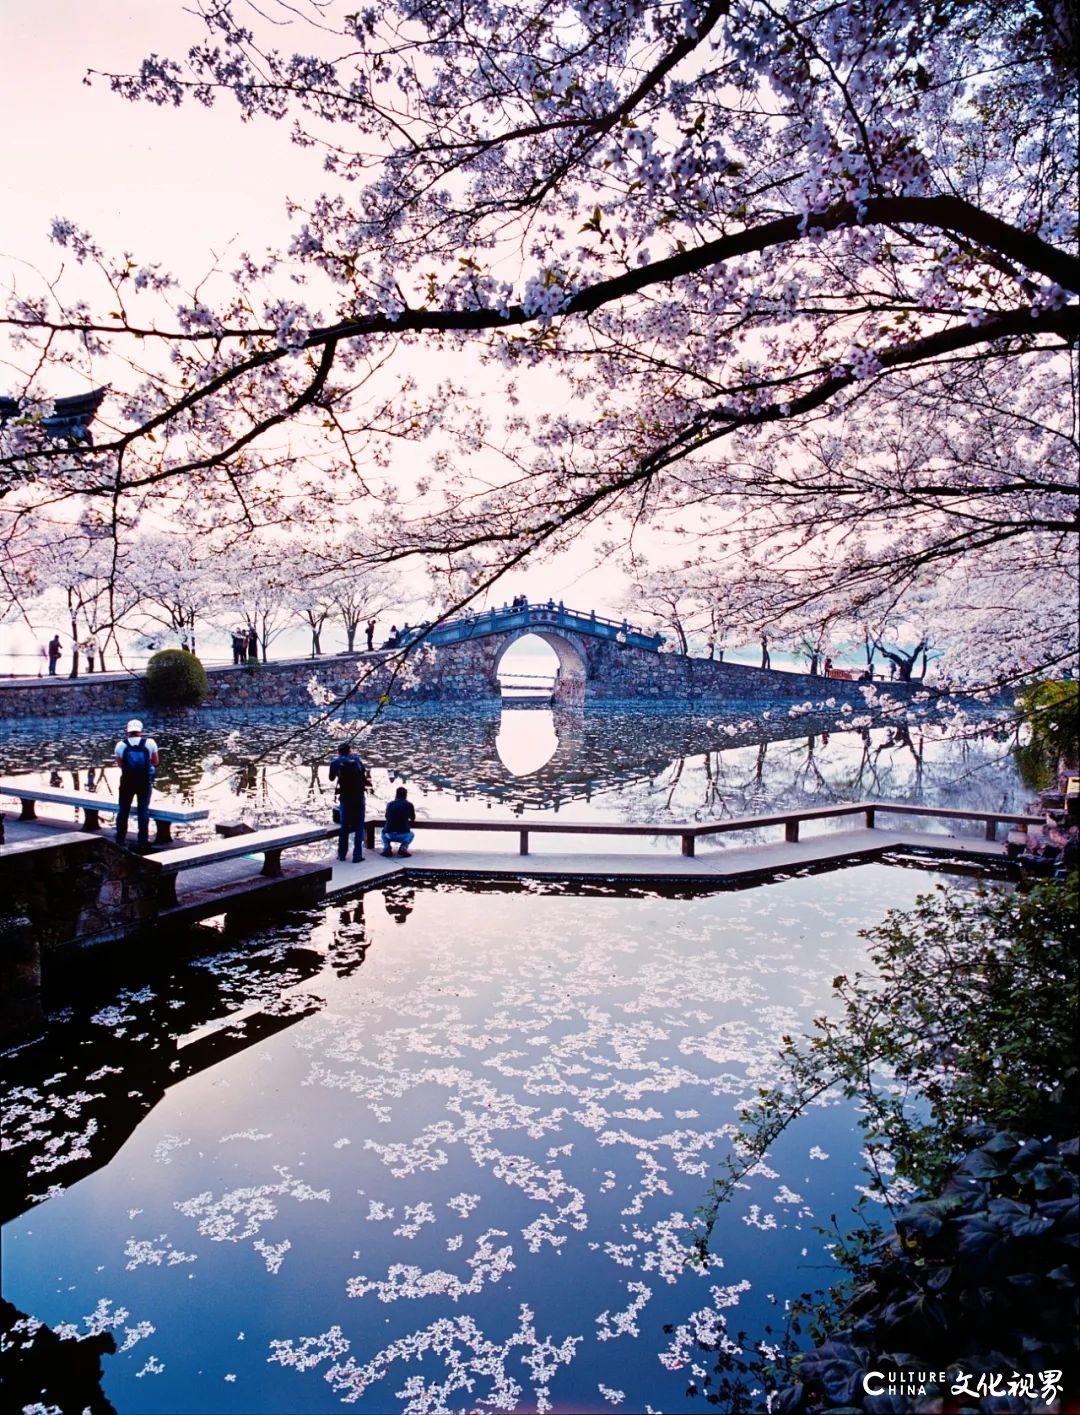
{"points": [[800, 282], [175, 580], [662, 595], [76, 562], [361, 595], [258, 585], [315, 604]]}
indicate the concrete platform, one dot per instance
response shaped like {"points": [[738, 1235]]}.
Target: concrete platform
{"points": [[709, 867]]}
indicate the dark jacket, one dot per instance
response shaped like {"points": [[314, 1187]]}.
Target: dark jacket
{"points": [[399, 816], [348, 771]]}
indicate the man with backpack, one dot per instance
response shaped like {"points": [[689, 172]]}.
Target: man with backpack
{"points": [[348, 771], [137, 758]]}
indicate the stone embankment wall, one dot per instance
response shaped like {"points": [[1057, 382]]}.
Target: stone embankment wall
{"points": [[615, 672], [460, 673], [76, 887], [453, 673], [57, 894]]}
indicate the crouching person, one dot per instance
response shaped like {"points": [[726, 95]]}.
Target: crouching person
{"points": [[397, 826]]}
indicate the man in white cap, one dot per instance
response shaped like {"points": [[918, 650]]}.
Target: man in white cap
{"points": [[137, 758]]}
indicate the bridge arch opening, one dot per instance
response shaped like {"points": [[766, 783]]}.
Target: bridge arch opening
{"points": [[535, 663]]}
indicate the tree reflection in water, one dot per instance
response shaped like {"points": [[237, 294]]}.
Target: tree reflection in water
{"points": [[640, 765], [148, 1035]]}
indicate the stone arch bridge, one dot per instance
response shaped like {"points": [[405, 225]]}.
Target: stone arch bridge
{"points": [[595, 656], [598, 659]]}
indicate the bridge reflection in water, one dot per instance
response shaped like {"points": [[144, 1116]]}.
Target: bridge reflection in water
{"points": [[527, 740], [630, 765]]}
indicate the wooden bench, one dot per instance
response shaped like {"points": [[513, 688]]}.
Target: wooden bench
{"points": [[164, 817], [269, 843]]}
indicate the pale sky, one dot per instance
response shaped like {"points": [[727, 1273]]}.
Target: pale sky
{"points": [[168, 185]]}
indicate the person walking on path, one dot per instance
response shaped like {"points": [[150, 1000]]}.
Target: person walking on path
{"points": [[137, 758], [253, 645], [396, 830], [370, 631], [348, 771], [55, 650], [239, 645]]}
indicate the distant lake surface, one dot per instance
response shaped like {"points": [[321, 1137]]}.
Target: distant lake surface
{"points": [[439, 1149], [662, 766]]}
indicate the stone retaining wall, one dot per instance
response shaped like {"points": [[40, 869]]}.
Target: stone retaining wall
{"points": [[453, 673], [56, 894]]}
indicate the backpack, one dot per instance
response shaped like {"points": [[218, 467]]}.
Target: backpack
{"points": [[350, 777], [135, 762]]}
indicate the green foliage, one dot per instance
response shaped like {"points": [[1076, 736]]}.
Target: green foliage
{"points": [[1051, 713], [963, 1021], [961, 1031], [981, 1278], [967, 1015], [175, 678]]}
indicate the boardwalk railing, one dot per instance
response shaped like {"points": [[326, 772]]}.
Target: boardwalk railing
{"points": [[690, 834]]}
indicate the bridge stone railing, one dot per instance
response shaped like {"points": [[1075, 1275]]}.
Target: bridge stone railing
{"points": [[549, 617]]}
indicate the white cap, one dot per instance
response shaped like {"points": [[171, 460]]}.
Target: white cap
{"points": [[134, 727]]}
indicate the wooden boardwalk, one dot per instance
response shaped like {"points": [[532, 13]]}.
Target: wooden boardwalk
{"points": [[228, 884], [716, 866]]}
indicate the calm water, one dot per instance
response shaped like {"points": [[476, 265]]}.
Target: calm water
{"points": [[603, 766], [440, 1149]]}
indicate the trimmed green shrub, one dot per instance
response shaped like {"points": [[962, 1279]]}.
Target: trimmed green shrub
{"points": [[175, 678]]}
